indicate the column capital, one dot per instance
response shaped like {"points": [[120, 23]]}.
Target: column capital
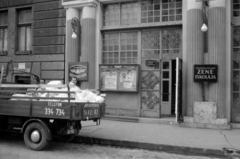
{"points": [[192, 4], [89, 12], [79, 3], [217, 3]]}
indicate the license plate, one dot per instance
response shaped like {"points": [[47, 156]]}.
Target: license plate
{"points": [[89, 112], [71, 131]]}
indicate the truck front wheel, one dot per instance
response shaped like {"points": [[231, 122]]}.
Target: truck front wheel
{"points": [[35, 136]]}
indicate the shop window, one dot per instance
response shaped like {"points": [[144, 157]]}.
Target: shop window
{"points": [[111, 14], [129, 13], [152, 11], [120, 48], [120, 14], [24, 31], [161, 10], [3, 33]]}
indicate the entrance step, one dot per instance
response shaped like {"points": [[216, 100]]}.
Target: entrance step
{"points": [[165, 120]]}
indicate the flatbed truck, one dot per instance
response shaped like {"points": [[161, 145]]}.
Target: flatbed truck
{"points": [[42, 121]]}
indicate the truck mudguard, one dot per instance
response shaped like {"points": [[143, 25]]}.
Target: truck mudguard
{"points": [[45, 125]]}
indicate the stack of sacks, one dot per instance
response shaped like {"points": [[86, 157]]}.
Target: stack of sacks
{"points": [[28, 94], [88, 96], [55, 95], [79, 95]]}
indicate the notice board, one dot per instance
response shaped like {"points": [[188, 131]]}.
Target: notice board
{"points": [[119, 77]]}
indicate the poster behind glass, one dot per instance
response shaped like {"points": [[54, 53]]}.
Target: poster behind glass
{"points": [[119, 78]]}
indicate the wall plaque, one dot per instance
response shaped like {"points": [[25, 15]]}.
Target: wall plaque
{"points": [[205, 73]]}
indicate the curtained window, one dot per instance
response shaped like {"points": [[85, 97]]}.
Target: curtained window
{"points": [[3, 33], [24, 31]]}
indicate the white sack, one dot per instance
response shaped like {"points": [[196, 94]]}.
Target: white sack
{"points": [[20, 99], [55, 82]]}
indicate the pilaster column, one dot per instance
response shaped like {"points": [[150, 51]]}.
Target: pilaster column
{"points": [[72, 50], [217, 53], [88, 42], [194, 53]]}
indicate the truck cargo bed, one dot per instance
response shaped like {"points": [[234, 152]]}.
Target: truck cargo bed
{"points": [[32, 107]]}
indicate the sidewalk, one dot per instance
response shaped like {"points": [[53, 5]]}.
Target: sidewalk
{"points": [[162, 137]]}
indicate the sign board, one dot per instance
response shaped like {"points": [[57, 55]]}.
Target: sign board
{"points": [[152, 63], [78, 70], [22, 67], [119, 78], [205, 73]]}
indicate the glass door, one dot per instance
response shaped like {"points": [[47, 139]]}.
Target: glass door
{"points": [[166, 87]]}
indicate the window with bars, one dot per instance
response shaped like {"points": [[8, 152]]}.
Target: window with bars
{"points": [[3, 33], [120, 48], [236, 8], [235, 59], [151, 11], [24, 31]]}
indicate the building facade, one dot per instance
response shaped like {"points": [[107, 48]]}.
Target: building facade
{"points": [[176, 57]]}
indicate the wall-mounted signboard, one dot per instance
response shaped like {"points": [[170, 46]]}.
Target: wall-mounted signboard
{"points": [[119, 77], [205, 73], [78, 70]]}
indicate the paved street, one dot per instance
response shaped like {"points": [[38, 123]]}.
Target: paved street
{"points": [[13, 147]]}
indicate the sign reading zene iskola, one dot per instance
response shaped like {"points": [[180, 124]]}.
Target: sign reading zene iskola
{"points": [[205, 73]]}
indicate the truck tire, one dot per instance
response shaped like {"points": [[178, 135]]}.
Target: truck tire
{"points": [[35, 136]]}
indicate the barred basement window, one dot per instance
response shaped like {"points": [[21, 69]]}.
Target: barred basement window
{"points": [[236, 8], [120, 48], [24, 31], [3, 33]]}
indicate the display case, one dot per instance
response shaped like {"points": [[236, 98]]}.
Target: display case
{"points": [[119, 77]]}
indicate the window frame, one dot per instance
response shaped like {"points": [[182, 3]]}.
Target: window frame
{"points": [[139, 24], [3, 27], [121, 51], [25, 25]]}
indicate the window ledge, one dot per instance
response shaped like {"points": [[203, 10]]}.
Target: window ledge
{"points": [[23, 52], [142, 25]]}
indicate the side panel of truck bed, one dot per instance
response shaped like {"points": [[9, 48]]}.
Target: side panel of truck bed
{"points": [[15, 108], [53, 110]]}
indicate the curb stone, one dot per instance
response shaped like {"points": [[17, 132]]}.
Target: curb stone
{"points": [[150, 146]]}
